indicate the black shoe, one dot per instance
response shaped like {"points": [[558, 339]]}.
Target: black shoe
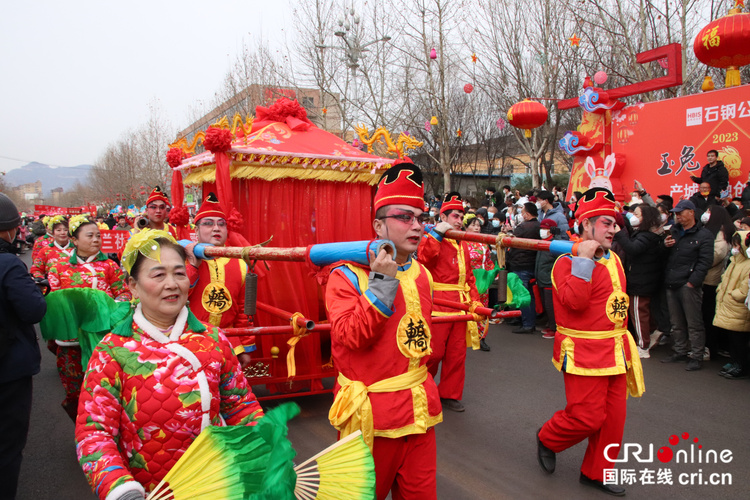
{"points": [[483, 345], [547, 458], [610, 489], [452, 405], [524, 330], [693, 365], [675, 358]]}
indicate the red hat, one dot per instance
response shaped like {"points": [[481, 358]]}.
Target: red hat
{"points": [[596, 201], [158, 195], [210, 208], [452, 201], [401, 185], [547, 223]]}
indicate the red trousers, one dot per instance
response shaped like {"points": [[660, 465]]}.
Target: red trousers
{"points": [[406, 466], [449, 346], [71, 375], [596, 408]]}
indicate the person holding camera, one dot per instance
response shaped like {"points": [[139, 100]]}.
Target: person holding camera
{"points": [[157, 211]]}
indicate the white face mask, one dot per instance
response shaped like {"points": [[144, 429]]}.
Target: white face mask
{"points": [[705, 217], [635, 221], [495, 223], [544, 233], [519, 219], [575, 227], [433, 213], [735, 251], [747, 252], [490, 215], [538, 205], [664, 217], [634, 200]]}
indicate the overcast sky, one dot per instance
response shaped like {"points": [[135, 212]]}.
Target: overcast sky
{"points": [[78, 74]]}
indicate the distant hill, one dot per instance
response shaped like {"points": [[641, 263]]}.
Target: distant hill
{"points": [[51, 177]]}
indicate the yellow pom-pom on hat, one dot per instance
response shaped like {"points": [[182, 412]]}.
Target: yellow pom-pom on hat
{"points": [[51, 221], [144, 243]]}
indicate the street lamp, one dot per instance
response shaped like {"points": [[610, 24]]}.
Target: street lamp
{"points": [[353, 46]]}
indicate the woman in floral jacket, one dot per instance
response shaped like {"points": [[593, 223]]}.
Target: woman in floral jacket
{"points": [[156, 381], [87, 267], [481, 258], [59, 248]]}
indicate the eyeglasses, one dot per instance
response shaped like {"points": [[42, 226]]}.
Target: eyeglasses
{"points": [[210, 223], [157, 207], [409, 218]]}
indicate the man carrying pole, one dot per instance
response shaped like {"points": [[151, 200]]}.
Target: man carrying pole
{"points": [[593, 348], [448, 261], [217, 286], [380, 342]]}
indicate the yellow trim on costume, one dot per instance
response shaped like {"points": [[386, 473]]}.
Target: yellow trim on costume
{"points": [[462, 287], [352, 411], [633, 370]]}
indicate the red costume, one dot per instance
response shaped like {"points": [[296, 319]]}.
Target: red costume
{"points": [[48, 257], [384, 388], [449, 262], [217, 287], [147, 396], [594, 350], [158, 195], [99, 273], [40, 244]]}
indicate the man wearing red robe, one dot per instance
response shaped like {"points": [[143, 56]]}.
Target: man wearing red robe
{"points": [[157, 206], [380, 341], [449, 262], [593, 348], [217, 286]]}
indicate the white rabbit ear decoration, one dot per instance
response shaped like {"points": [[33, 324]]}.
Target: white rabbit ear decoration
{"points": [[600, 176]]}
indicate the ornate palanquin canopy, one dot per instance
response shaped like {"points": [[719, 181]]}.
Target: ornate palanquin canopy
{"points": [[280, 143]]}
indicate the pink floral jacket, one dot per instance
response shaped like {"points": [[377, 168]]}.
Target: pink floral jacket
{"points": [[145, 398]]}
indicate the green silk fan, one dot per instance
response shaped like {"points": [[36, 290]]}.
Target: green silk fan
{"points": [[241, 462]]}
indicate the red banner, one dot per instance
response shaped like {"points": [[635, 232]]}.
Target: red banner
{"points": [[114, 240], [665, 142], [53, 210]]}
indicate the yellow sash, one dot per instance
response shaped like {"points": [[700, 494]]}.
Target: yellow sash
{"points": [[351, 410], [636, 384]]}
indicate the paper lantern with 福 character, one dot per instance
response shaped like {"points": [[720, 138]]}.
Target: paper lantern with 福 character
{"points": [[527, 115], [725, 43]]}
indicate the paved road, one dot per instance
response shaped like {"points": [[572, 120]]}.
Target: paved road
{"points": [[489, 451]]}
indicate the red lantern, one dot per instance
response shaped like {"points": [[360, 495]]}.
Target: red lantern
{"points": [[527, 115], [725, 43], [468, 88]]}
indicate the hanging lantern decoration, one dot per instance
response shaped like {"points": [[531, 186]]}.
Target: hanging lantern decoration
{"points": [[427, 126], [574, 41], [474, 58], [708, 84], [527, 115], [325, 111], [433, 120], [459, 133], [724, 42], [468, 88], [501, 123], [600, 77], [433, 53]]}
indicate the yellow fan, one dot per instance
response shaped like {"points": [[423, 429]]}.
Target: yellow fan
{"points": [[343, 470]]}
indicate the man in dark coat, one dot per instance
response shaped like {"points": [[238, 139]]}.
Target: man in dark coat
{"points": [[21, 305], [522, 263], [690, 258], [715, 173]]}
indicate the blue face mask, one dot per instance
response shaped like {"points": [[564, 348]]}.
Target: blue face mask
{"points": [[495, 223]]}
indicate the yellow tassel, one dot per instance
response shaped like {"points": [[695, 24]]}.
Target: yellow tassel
{"points": [[527, 133], [733, 77]]}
